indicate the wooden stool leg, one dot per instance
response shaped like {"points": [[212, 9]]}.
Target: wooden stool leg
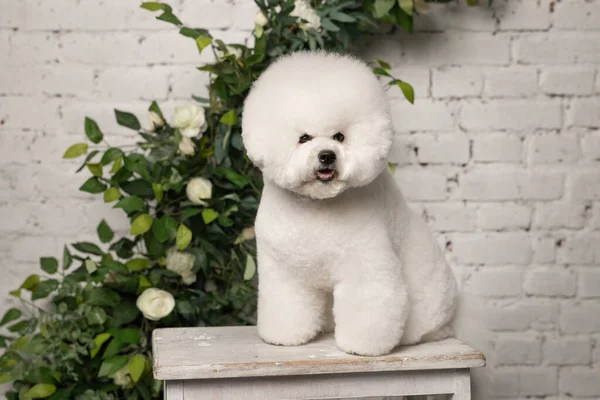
{"points": [[173, 390], [462, 384]]}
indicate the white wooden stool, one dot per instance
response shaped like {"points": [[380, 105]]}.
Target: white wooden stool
{"points": [[232, 363]]}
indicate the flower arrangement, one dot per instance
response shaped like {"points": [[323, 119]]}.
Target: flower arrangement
{"points": [[191, 196]]}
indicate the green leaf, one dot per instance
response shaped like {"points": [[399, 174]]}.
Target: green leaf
{"points": [[193, 33], [382, 7], [110, 155], [381, 71], [11, 315], [112, 365], [407, 6], [97, 316], [95, 169], [98, 342], [189, 213], [40, 391], [87, 247], [141, 225], [136, 367], [5, 378], [112, 265], [92, 130], [103, 297], [384, 64], [183, 237], [404, 21], [44, 288], [30, 283], [67, 258], [131, 204], [126, 313], [78, 149], [209, 215], [143, 284], [152, 6], [104, 232], [137, 163], [123, 247], [229, 118], [114, 347], [164, 229], [186, 310], [238, 179], [169, 17], [138, 187], [127, 120], [49, 264], [407, 90], [93, 185], [90, 266], [22, 327], [250, 268], [329, 25], [111, 194], [117, 165], [158, 191], [137, 264], [338, 16], [202, 42], [129, 336]]}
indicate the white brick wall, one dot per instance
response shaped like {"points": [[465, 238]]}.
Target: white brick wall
{"points": [[500, 153]]}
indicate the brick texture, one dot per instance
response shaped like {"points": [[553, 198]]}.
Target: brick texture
{"points": [[500, 152]]}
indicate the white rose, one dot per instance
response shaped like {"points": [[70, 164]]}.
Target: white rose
{"points": [[248, 233], [155, 120], [303, 10], [122, 378], [190, 120], [182, 264], [187, 147], [237, 52], [260, 19], [189, 278], [198, 189], [155, 303]]}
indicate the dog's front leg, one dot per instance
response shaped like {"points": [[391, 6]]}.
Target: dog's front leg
{"points": [[370, 310], [289, 313]]}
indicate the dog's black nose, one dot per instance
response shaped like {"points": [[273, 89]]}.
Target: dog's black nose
{"points": [[327, 157]]}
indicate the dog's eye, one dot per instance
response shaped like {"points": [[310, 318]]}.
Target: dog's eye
{"points": [[339, 137], [304, 138]]}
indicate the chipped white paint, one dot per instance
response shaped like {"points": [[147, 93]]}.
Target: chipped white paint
{"points": [[238, 365]]}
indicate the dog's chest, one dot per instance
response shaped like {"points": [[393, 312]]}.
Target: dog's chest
{"points": [[314, 241]]}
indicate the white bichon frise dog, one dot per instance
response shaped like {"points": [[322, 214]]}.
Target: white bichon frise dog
{"points": [[338, 248]]}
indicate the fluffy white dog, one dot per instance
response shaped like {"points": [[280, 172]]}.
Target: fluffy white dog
{"points": [[338, 247]]}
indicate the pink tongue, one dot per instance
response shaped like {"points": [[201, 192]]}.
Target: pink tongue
{"points": [[326, 174]]}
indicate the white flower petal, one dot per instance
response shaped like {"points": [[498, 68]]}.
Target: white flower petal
{"points": [[198, 189], [155, 303]]}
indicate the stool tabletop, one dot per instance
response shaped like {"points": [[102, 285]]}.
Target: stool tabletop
{"points": [[231, 352]]}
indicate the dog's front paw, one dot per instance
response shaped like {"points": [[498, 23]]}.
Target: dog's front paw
{"points": [[282, 336], [364, 346]]}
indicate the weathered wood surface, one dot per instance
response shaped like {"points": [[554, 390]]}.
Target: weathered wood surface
{"points": [[230, 352], [332, 386]]}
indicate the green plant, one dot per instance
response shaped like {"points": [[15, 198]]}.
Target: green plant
{"points": [[191, 196]]}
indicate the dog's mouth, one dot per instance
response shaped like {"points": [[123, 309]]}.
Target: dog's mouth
{"points": [[325, 175]]}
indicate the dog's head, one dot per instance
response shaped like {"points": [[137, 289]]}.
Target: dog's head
{"points": [[317, 123]]}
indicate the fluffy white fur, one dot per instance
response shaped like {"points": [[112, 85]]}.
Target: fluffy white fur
{"points": [[346, 255]]}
